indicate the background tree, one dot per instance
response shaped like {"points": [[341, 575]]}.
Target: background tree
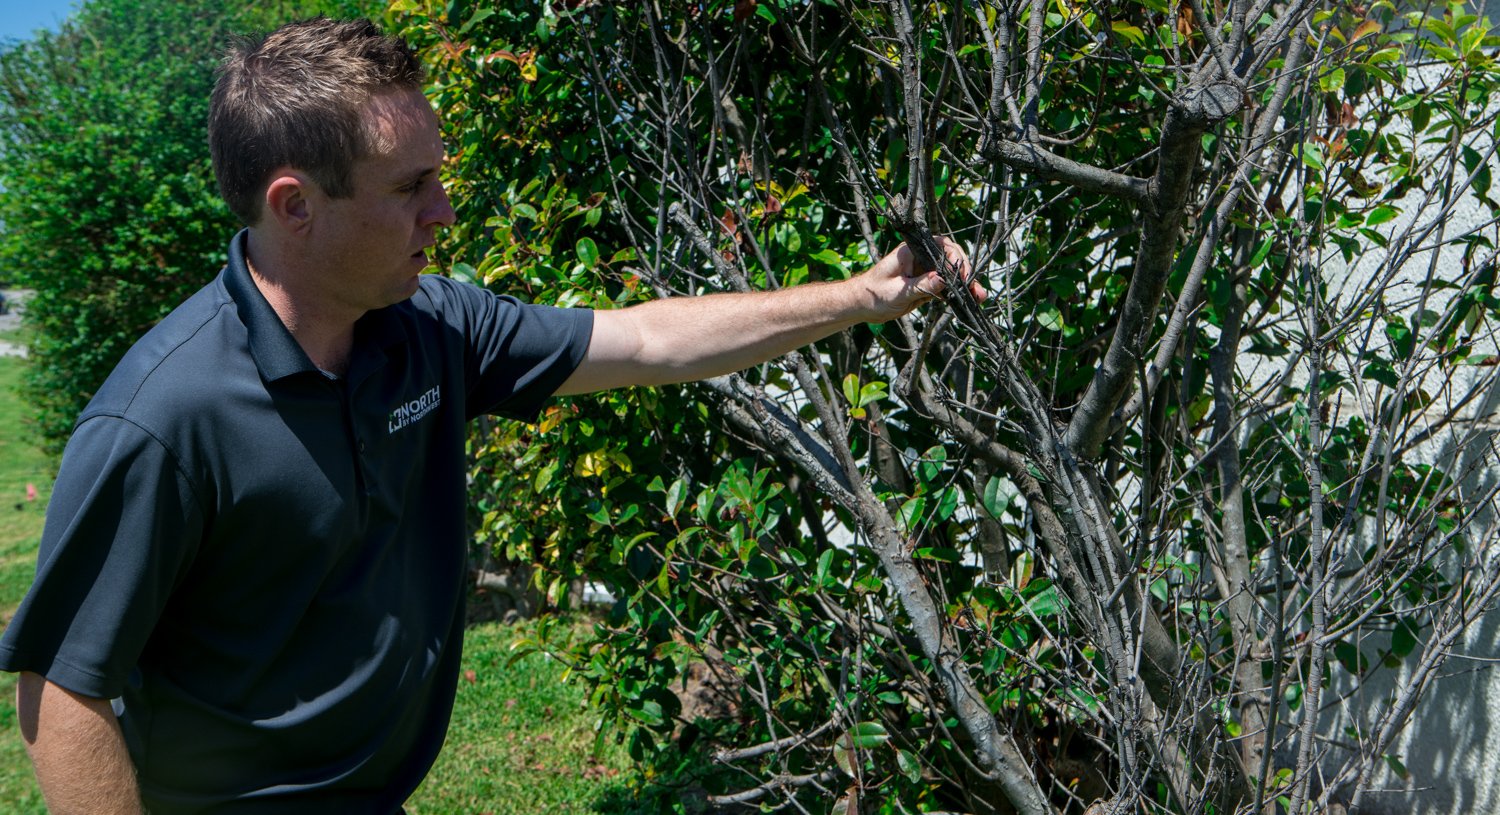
{"points": [[107, 198], [1139, 532]]}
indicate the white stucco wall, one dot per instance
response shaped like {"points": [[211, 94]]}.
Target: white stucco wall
{"points": [[1451, 748]]}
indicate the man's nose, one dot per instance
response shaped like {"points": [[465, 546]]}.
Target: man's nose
{"points": [[440, 211]]}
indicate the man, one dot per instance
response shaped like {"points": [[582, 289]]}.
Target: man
{"points": [[255, 546]]}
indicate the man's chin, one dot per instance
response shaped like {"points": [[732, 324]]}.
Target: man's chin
{"points": [[406, 292], [411, 288]]}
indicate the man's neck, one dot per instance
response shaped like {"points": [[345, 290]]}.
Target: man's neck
{"points": [[323, 330]]}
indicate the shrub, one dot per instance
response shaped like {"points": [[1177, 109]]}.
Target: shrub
{"points": [[106, 193], [1087, 566]]}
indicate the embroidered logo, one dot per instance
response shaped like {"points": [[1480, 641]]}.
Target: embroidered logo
{"points": [[413, 411]]}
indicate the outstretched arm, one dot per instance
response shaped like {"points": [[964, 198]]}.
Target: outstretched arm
{"points": [[77, 749], [681, 339]]}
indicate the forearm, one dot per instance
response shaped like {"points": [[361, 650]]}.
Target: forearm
{"points": [[77, 749], [687, 339], [682, 339]]}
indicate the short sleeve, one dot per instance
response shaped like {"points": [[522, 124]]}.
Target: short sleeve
{"points": [[517, 355], [121, 528]]}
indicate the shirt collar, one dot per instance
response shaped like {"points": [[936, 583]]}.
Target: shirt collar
{"points": [[273, 347], [276, 352]]}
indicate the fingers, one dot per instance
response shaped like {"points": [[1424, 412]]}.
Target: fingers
{"points": [[932, 285], [957, 258], [898, 283]]}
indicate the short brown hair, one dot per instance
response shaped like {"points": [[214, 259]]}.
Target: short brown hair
{"points": [[294, 98]]}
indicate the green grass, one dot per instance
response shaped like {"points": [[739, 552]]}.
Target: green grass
{"points": [[21, 463], [521, 741]]}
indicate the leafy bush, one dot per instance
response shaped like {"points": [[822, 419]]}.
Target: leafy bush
{"points": [[1050, 552], [106, 191]]}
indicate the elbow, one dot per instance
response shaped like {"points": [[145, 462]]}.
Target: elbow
{"points": [[29, 687]]}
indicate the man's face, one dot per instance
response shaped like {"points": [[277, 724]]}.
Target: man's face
{"points": [[374, 244]]}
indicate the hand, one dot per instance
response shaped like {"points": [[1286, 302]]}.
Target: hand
{"points": [[896, 286]]}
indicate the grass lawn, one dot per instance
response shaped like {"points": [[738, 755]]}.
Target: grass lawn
{"points": [[520, 742], [21, 463]]}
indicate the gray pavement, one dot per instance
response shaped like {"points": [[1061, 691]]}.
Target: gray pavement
{"points": [[15, 303]]}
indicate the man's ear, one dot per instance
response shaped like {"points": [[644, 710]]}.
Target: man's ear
{"points": [[288, 200]]}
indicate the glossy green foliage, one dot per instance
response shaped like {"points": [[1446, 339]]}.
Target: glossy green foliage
{"points": [[582, 136]]}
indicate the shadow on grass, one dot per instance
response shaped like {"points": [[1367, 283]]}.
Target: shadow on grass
{"points": [[621, 799], [682, 774]]}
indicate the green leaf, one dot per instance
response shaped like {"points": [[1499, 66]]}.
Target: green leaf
{"points": [[1047, 602], [998, 493], [932, 462], [1380, 215], [1262, 252], [909, 766], [649, 713], [1332, 81], [1350, 657], [1381, 371], [674, 496], [792, 239], [1293, 695], [1421, 116], [843, 754], [871, 392], [1311, 155], [1404, 638], [911, 512], [829, 257], [868, 734], [1158, 589], [1131, 33], [1050, 318], [1482, 179], [479, 17], [1403, 341], [588, 252], [545, 474], [947, 504], [464, 272], [825, 564], [851, 389], [1471, 39], [1441, 28], [761, 567]]}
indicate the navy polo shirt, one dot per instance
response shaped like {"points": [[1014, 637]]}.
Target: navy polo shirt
{"points": [[265, 564]]}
